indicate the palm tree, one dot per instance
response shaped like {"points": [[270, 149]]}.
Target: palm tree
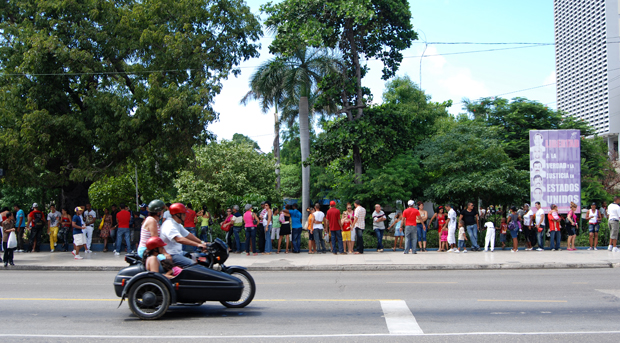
{"points": [[285, 80]]}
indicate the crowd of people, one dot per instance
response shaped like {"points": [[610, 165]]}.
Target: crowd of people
{"points": [[272, 230]]}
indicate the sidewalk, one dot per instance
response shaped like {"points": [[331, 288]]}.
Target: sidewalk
{"points": [[370, 260]]}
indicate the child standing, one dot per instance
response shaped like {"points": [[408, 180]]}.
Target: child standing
{"points": [[502, 233], [490, 237], [462, 237], [444, 239]]}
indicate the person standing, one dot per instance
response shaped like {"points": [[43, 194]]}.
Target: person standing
{"points": [[451, 223], [267, 227], [190, 225], [89, 221], [106, 228], [113, 213], [594, 219], [53, 223], [276, 225], [250, 219], [136, 227], [78, 234], [359, 225], [470, 217], [123, 217], [8, 226], [378, 225], [513, 227], [237, 227], [260, 229], [166, 215], [410, 224], [613, 213], [540, 226], [36, 223], [332, 219], [66, 230], [398, 233], [20, 225], [528, 227], [440, 217], [421, 226], [285, 228], [571, 227], [554, 228], [296, 229], [319, 220], [204, 218], [226, 226], [489, 239]]}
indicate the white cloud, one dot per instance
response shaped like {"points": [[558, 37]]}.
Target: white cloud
{"points": [[550, 79]]}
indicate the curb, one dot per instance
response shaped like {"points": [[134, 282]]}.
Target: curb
{"points": [[361, 267]]}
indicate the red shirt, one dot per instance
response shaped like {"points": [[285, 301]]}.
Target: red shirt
{"points": [[122, 218], [410, 215], [31, 216], [553, 225], [333, 216], [189, 218]]}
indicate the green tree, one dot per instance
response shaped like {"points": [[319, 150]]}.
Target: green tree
{"points": [[239, 138], [466, 162], [371, 28], [224, 171], [87, 86]]}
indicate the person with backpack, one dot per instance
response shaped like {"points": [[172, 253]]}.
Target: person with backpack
{"points": [[36, 223]]}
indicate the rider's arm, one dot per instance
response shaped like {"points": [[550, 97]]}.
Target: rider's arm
{"points": [[190, 240]]}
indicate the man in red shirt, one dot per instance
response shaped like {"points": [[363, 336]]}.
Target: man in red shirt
{"points": [[190, 225], [333, 222], [36, 224], [411, 227], [123, 217]]}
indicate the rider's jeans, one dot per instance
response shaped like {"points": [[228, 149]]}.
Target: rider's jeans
{"points": [[268, 242], [181, 261], [296, 239]]}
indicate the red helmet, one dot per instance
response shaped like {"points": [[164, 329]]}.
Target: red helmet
{"points": [[177, 208], [154, 243]]}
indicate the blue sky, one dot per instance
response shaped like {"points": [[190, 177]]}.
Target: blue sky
{"points": [[444, 76]]}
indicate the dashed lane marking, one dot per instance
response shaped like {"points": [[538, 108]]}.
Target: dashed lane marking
{"points": [[399, 318]]}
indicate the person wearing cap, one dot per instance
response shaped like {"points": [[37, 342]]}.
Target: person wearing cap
{"points": [[174, 234], [78, 234], [143, 211], [332, 220], [89, 219], [36, 224], [410, 223], [594, 219]]}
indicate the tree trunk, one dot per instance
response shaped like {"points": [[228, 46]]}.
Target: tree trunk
{"points": [[304, 138], [276, 148], [357, 161], [357, 156]]}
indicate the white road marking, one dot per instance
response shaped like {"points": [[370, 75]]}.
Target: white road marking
{"points": [[614, 292], [399, 318], [176, 337]]}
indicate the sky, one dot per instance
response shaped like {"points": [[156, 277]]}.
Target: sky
{"points": [[447, 73]]}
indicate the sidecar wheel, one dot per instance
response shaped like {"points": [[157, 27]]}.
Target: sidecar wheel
{"points": [[149, 299], [249, 290]]}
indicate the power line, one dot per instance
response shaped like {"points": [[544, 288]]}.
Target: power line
{"points": [[477, 51], [520, 90]]}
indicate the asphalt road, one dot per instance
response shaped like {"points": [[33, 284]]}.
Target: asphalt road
{"points": [[428, 306]]}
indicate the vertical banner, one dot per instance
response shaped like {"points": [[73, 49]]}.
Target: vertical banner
{"points": [[555, 168]]}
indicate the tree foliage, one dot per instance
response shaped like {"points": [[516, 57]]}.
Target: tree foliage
{"points": [[466, 161], [224, 171], [86, 86]]}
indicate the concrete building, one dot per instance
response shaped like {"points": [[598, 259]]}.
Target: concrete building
{"points": [[587, 53]]}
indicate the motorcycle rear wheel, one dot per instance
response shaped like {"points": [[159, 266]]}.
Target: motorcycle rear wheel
{"points": [[249, 290], [149, 299]]}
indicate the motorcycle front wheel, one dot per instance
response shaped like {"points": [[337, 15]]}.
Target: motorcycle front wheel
{"points": [[249, 289]]}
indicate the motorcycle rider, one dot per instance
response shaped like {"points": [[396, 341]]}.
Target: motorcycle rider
{"points": [[175, 236], [150, 226]]}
